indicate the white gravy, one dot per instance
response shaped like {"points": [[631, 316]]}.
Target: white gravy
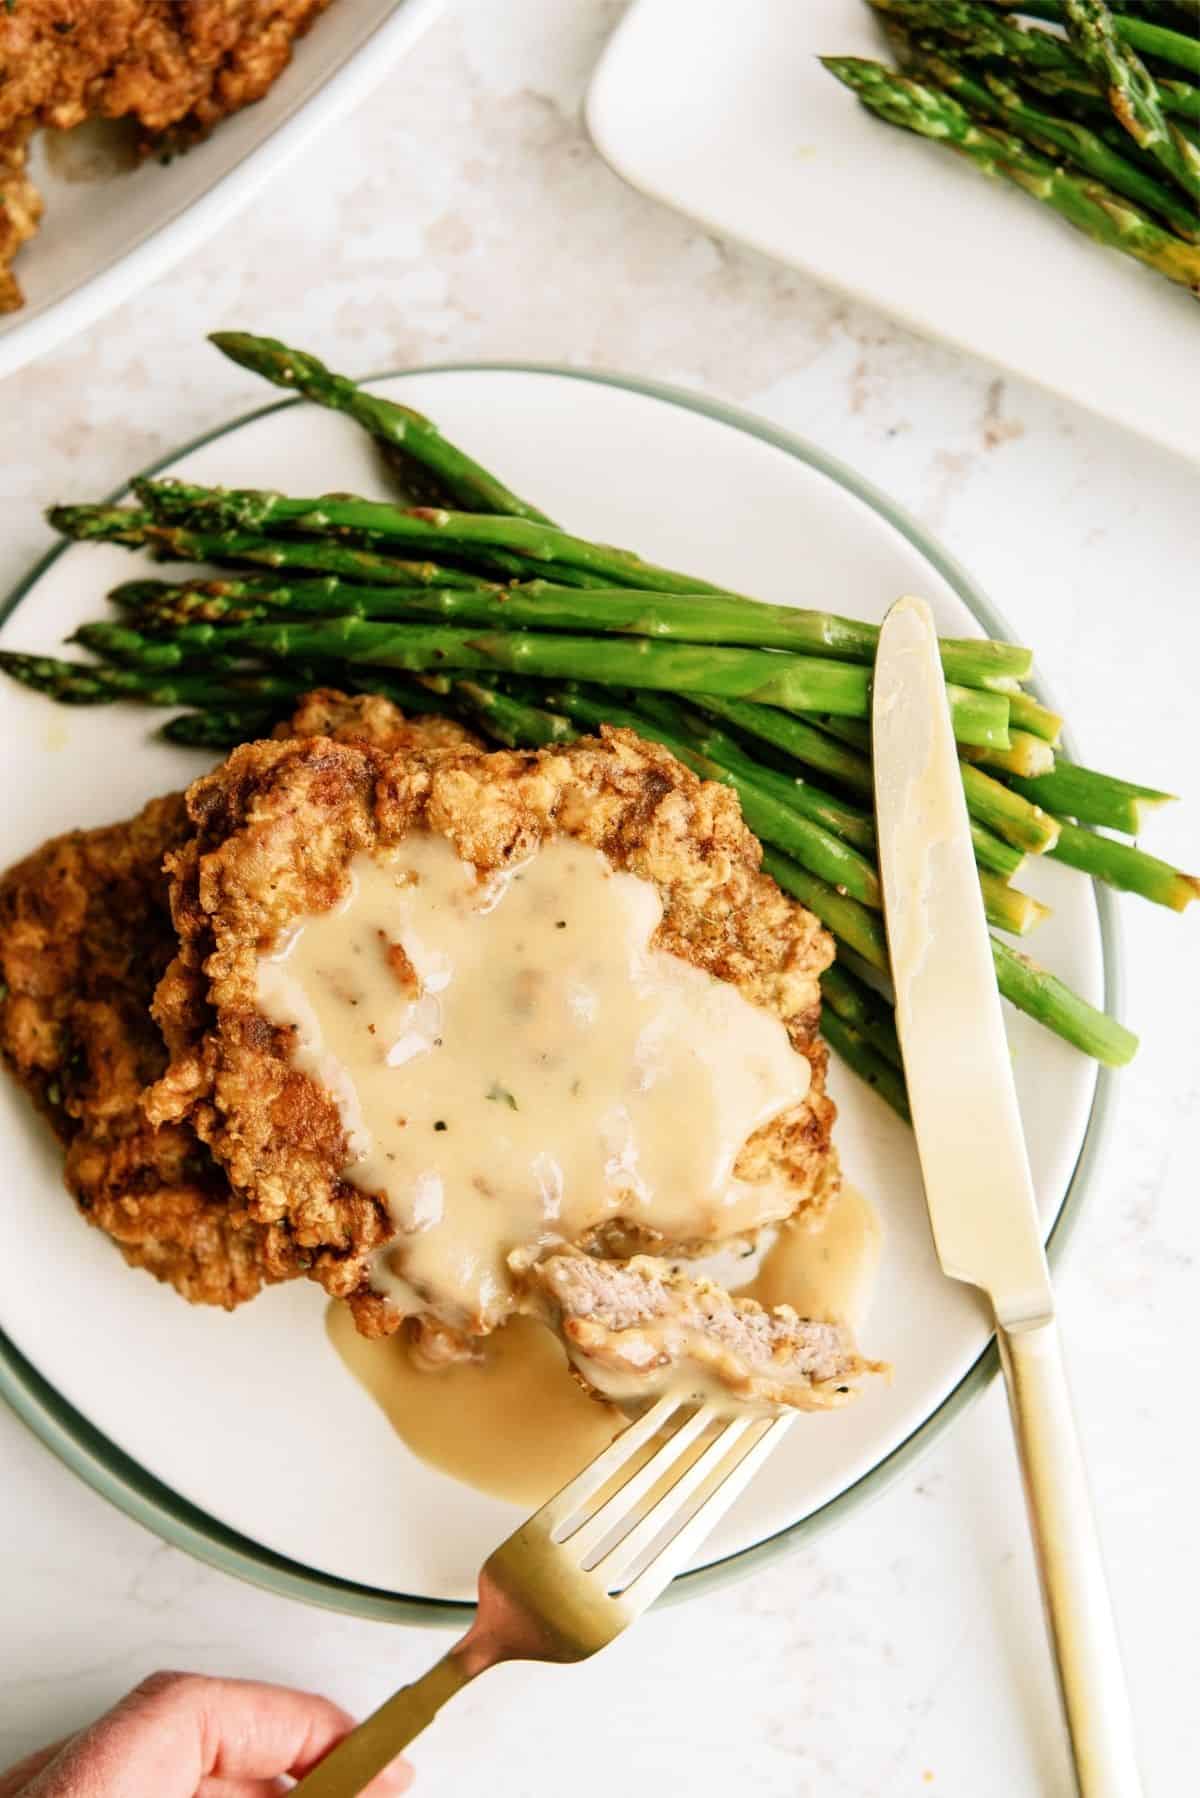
{"points": [[514, 1063], [516, 1424], [825, 1270]]}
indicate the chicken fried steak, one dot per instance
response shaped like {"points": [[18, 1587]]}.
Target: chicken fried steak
{"points": [[441, 1016]]}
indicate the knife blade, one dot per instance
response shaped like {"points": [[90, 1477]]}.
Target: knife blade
{"points": [[976, 1170], [956, 1061]]}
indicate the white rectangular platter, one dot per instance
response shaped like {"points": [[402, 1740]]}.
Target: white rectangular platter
{"points": [[724, 112]]}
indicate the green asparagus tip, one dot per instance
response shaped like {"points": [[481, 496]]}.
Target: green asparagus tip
{"points": [[132, 595], [217, 729], [263, 355], [84, 522], [69, 683]]}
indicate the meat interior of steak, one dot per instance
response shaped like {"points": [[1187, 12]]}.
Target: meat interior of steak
{"points": [[634, 1330]]}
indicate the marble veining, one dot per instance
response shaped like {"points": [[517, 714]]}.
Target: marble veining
{"points": [[462, 214]]}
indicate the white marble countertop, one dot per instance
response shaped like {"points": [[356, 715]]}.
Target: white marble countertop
{"points": [[462, 214]]}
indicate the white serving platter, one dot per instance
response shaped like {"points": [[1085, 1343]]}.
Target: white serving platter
{"points": [[725, 113]]}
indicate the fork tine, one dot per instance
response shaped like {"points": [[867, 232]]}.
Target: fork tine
{"points": [[616, 1509], [607, 1464], [623, 1555], [675, 1554]]}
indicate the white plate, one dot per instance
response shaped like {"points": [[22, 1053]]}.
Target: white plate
{"points": [[249, 1418], [724, 112], [101, 240]]}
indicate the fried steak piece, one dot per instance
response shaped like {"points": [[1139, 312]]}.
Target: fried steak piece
{"points": [[635, 1329], [275, 829], [85, 935], [173, 66]]}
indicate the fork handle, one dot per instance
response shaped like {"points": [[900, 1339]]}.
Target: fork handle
{"points": [[1083, 1631], [379, 1738]]}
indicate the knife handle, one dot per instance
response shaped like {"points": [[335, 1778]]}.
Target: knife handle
{"points": [[1083, 1631]]}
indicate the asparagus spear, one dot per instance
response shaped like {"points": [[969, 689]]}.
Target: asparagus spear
{"points": [[1132, 90], [1012, 816], [800, 682], [1029, 753], [1028, 714], [1184, 15], [857, 1004], [998, 99], [85, 683], [1153, 40], [854, 732], [1094, 209], [137, 530], [509, 721], [1122, 865], [768, 816], [1048, 1000], [398, 427], [806, 744], [848, 822], [764, 793], [861, 1056], [996, 811], [1092, 798], [994, 855], [507, 565], [220, 728], [1102, 798], [1039, 58], [1022, 982], [333, 514], [853, 825], [853, 924], [542, 605], [1024, 754]]}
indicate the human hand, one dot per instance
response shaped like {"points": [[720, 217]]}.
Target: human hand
{"points": [[179, 1735]]}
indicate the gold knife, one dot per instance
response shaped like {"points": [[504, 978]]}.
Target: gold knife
{"points": [[976, 1171]]}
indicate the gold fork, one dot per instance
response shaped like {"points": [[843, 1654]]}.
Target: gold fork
{"points": [[580, 1570]]}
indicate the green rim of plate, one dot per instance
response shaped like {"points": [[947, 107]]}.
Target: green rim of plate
{"points": [[128, 1486]]}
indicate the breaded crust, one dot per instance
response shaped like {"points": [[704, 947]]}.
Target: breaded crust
{"points": [[368, 718], [275, 829], [84, 936]]}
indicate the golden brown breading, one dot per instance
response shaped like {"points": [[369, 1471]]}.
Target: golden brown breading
{"points": [[85, 934], [366, 718], [276, 828], [172, 65]]}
